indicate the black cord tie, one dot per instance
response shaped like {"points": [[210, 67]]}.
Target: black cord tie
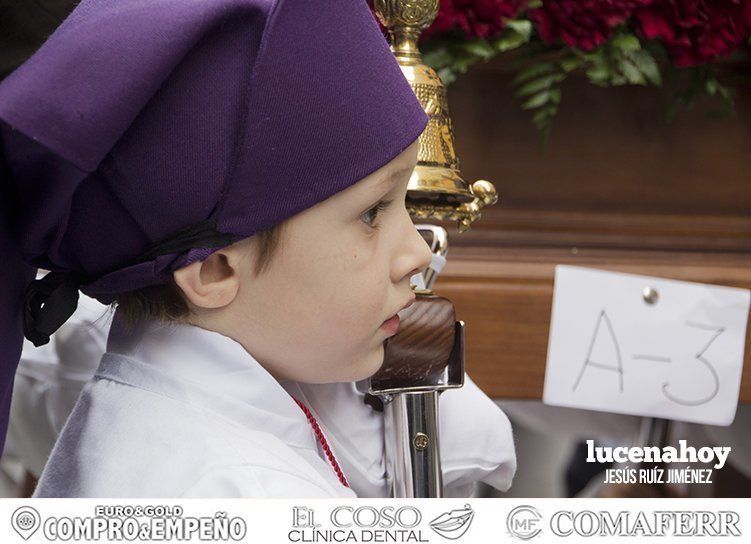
{"points": [[48, 303], [200, 235]]}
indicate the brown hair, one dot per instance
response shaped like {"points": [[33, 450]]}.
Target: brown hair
{"points": [[166, 302]]}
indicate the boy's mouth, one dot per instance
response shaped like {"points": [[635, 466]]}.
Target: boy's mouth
{"points": [[391, 325]]}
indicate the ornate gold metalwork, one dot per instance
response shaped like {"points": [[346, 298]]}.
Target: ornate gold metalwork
{"points": [[436, 189]]}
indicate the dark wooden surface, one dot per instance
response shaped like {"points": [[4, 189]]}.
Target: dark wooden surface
{"points": [[619, 189]]}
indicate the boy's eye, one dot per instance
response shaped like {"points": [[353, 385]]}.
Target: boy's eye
{"points": [[370, 216]]}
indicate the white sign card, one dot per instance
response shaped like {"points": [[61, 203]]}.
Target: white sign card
{"points": [[645, 346]]}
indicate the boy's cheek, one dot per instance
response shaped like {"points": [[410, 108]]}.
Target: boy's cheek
{"points": [[328, 300]]}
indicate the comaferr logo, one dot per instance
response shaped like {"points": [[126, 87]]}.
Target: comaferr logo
{"points": [[524, 522], [640, 523]]}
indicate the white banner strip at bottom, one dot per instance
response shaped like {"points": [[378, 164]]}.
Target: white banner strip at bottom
{"points": [[277, 521]]}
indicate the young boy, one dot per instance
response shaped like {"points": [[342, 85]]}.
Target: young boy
{"points": [[232, 174]]}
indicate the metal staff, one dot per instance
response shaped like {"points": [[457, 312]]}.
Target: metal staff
{"points": [[426, 356]]}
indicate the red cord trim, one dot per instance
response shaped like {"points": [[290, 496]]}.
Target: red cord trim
{"points": [[322, 440]]}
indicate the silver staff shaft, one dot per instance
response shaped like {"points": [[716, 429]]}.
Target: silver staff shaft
{"points": [[412, 445]]}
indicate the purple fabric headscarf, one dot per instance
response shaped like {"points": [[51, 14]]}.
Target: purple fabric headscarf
{"points": [[145, 134]]}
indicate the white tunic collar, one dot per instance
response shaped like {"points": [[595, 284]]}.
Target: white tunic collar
{"points": [[204, 368]]}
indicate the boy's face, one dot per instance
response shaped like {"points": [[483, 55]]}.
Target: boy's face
{"points": [[342, 268]]}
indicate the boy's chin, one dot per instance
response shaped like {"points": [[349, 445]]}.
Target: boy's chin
{"points": [[369, 365], [361, 368]]}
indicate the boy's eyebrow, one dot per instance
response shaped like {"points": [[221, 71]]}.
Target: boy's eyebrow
{"points": [[392, 176]]}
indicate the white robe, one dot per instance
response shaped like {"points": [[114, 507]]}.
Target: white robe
{"points": [[48, 381], [179, 411]]}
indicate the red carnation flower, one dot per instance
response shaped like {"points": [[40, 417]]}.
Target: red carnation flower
{"points": [[696, 31], [473, 18], [584, 24]]}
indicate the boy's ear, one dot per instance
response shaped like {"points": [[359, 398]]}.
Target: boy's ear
{"points": [[211, 283]]}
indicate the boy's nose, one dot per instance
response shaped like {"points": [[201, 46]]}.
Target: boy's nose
{"points": [[415, 254]]}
